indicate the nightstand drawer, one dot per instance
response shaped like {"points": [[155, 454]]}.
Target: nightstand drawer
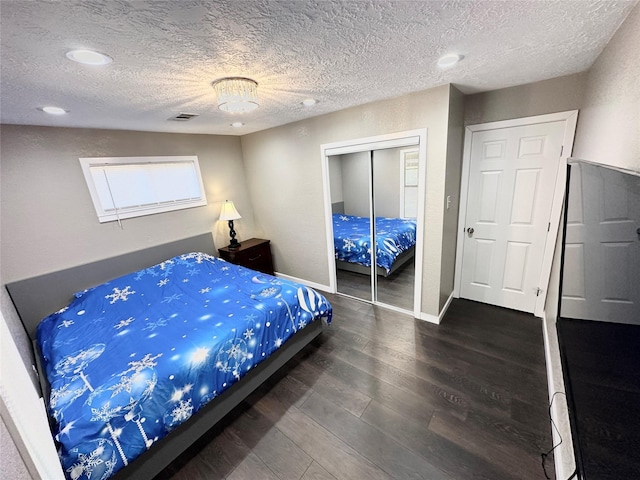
{"points": [[257, 257], [254, 253]]}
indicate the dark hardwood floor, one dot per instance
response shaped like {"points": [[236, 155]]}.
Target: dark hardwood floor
{"points": [[380, 395], [396, 289]]}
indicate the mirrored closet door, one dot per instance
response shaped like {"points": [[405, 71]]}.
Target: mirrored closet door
{"points": [[351, 191], [394, 196], [374, 197]]}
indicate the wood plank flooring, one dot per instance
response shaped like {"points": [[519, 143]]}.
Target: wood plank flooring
{"points": [[380, 395], [396, 289]]}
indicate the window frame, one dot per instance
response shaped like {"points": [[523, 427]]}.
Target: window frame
{"points": [[403, 180], [117, 214]]}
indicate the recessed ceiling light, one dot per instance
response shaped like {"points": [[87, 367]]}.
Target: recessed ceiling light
{"points": [[54, 110], [449, 60], [309, 102], [88, 57], [237, 124]]}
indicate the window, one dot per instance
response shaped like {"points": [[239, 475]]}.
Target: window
{"points": [[409, 183], [125, 187]]}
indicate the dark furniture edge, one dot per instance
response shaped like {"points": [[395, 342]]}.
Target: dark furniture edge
{"points": [[571, 408]]}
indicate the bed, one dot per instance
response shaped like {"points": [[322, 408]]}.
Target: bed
{"points": [[139, 367], [395, 241]]}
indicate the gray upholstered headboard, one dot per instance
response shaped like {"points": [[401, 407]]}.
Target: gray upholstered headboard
{"points": [[337, 207], [37, 297]]}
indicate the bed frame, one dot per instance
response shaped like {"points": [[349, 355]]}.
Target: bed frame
{"points": [[401, 259], [37, 297]]}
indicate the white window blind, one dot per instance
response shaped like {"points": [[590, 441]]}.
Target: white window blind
{"points": [[128, 187], [409, 183]]}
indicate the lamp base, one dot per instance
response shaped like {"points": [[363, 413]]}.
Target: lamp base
{"points": [[233, 244]]}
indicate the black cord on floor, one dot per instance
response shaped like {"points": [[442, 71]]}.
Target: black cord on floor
{"points": [[546, 454]]}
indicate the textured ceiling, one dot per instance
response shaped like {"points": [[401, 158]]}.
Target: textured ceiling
{"points": [[344, 53]]}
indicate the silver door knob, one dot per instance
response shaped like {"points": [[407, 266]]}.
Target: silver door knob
{"points": [[470, 231]]}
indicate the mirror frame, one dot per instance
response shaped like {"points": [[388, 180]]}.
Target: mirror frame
{"points": [[410, 138]]}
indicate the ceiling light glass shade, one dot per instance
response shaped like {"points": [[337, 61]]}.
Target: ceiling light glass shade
{"points": [[229, 211], [54, 110], [449, 60], [236, 94], [88, 57]]}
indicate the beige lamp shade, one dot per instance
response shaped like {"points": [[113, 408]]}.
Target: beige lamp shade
{"points": [[229, 211]]}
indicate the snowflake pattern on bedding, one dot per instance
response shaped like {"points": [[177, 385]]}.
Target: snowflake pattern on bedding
{"points": [[352, 239], [130, 360]]}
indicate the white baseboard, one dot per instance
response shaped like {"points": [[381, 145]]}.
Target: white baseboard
{"points": [[316, 286], [437, 319], [564, 457]]}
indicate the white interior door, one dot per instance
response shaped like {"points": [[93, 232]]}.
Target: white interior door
{"points": [[511, 185], [601, 278]]}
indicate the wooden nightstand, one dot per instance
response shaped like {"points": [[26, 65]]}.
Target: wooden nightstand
{"points": [[254, 253]]}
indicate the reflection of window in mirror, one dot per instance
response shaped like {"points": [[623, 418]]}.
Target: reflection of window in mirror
{"points": [[409, 183]]}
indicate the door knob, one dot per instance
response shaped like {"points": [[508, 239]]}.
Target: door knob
{"points": [[470, 231]]}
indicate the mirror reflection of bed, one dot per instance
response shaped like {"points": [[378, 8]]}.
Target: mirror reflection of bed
{"points": [[380, 184]]}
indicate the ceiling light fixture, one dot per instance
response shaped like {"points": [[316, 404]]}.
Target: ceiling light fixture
{"points": [[449, 60], [236, 94], [309, 102], [54, 110], [88, 57], [237, 124]]}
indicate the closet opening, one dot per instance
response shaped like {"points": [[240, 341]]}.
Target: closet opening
{"points": [[374, 191]]}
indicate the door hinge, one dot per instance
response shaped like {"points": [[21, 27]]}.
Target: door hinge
{"points": [[561, 150], [538, 291], [549, 227]]}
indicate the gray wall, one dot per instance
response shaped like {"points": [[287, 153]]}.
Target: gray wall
{"points": [[335, 179], [11, 464], [455, 141], [48, 219], [289, 157], [547, 96], [609, 122], [355, 183], [386, 182]]}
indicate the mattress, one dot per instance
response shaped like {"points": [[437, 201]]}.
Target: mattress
{"points": [[352, 239], [131, 359]]}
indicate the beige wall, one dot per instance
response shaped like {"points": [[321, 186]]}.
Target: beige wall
{"points": [[559, 94], [355, 183], [455, 140], [609, 122], [386, 182], [284, 175], [48, 219], [11, 464]]}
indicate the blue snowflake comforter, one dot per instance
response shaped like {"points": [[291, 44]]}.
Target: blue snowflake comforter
{"points": [[130, 360], [352, 239]]}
